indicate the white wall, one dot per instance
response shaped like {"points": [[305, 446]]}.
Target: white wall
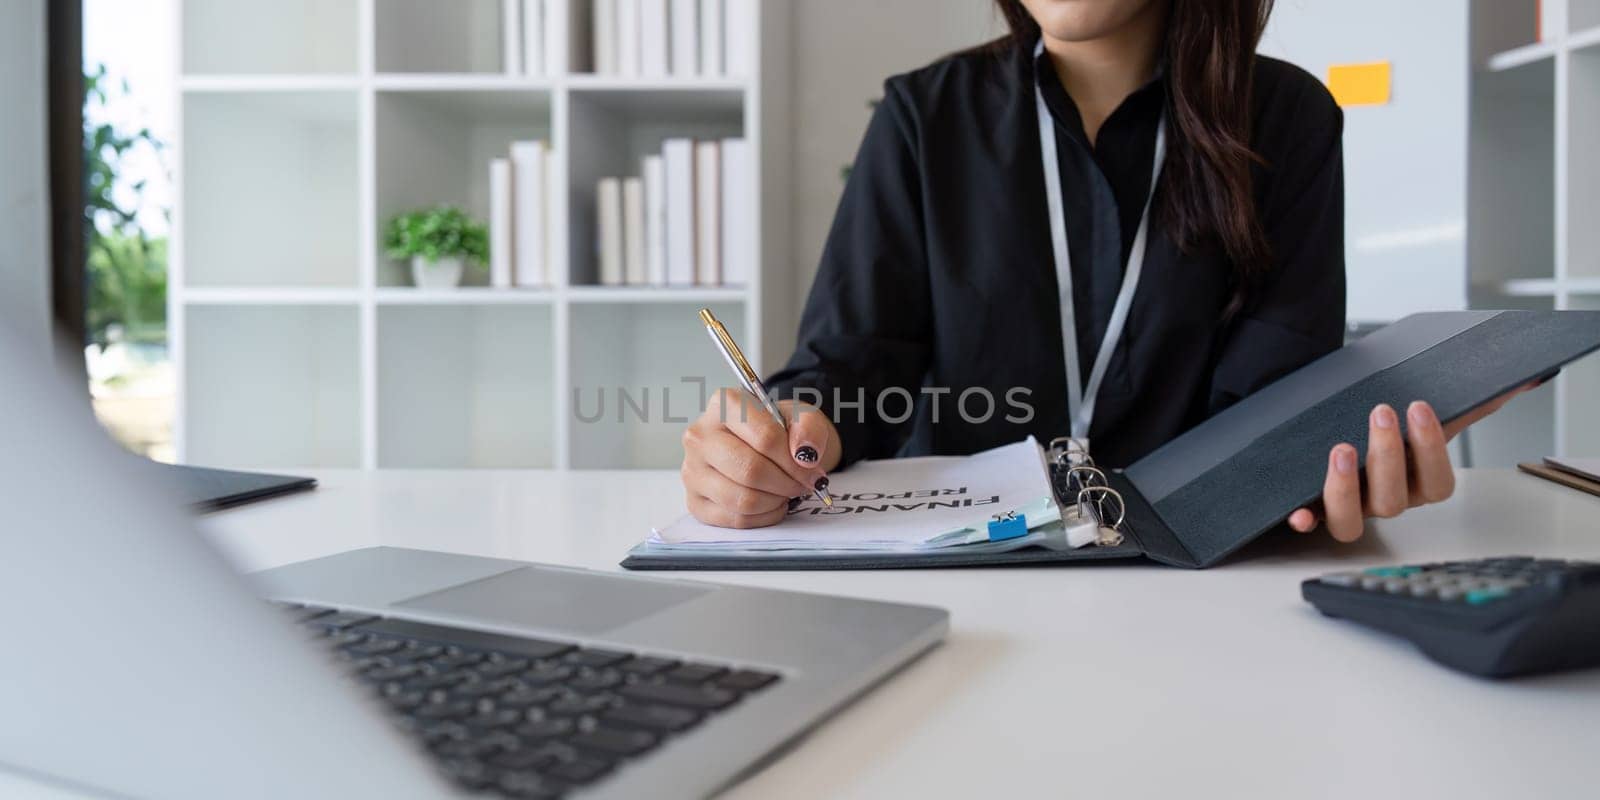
{"points": [[843, 51], [1405, 162], [24, 198]]}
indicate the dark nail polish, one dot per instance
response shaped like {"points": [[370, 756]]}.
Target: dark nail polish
{"points": [[822, 484], [806, 454], [794, 502]]}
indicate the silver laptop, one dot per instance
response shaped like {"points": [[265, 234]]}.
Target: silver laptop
{"points": [[139, 664]]}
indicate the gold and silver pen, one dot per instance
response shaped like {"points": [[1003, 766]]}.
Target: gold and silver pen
{"points": [[751, 382]]}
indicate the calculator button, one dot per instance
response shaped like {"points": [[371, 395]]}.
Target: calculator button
{"points": [[1396, 587], [1481, 596], [1449, 593], [1508, 563], [1391, 572], [1341, 579], [1373, 583], [1424, 590]]}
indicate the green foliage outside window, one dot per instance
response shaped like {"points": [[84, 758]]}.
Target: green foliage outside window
{"points": [[127, 268]]}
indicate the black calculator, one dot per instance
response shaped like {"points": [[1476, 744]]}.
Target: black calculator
{"points": [[1495, 617]]}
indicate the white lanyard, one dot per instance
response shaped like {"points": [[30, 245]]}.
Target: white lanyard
{"points": [[1080, 397]]}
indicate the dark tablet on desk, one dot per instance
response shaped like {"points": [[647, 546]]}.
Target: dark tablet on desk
{"points": [[204, 489]]}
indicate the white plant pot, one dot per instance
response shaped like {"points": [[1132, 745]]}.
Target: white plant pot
{"points": [[442, 274]]}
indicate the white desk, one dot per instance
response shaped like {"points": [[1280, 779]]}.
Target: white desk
{"points": [[1096, 681]]}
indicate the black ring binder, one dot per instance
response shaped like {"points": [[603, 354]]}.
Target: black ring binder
{"points": [[1239, 474]]}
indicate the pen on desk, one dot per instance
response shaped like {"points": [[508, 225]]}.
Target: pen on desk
{"points": [[748, 378]]}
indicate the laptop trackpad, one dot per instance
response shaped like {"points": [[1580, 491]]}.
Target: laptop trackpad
{"points": [[556, 599]]}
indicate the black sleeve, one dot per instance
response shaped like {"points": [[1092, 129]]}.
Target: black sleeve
{"points": [[867, 323], [1297, 314]]}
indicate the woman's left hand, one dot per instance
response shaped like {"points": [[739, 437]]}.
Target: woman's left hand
{"points": [[1402, 471]]}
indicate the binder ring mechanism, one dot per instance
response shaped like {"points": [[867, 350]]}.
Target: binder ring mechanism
{"points": [[1070, 451], [1094, 498]]}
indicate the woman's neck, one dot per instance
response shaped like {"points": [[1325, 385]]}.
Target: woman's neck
{"points": [[1100, 73]]}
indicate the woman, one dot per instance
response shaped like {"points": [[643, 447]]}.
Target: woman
{"points": [[1172, 235]]}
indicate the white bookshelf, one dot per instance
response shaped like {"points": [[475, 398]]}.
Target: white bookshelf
{"points": [[306, 124], [1533, 202]]}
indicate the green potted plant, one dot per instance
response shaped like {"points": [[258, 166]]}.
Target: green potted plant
{"points": [[441, 242]]}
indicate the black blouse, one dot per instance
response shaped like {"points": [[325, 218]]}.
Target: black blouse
{"points": [[937, 289]]}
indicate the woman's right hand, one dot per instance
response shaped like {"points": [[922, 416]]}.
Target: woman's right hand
{"points": [[739, 466]]}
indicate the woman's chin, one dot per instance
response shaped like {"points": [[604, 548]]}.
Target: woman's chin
{"points": [[1083, 20]]}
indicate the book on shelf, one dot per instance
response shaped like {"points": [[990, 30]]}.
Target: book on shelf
{"points": [[1550, 20], [500, 238], [628, 37], [677, 156], [608, 224], [680, 38], [710, 37], [529, 212], [738, 212], [685, 28], [655, 224], [708, 213], [511, 36], [738, 37], [633, 232], [605, 37], [533, 38], [689, 218], [653, 61], [555, 35]]}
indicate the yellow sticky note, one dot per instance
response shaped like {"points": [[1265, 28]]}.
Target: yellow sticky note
{"points": [[1359, 84]]}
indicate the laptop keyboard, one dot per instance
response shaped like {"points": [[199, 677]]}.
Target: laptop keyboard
{"points": [[527, 718]]}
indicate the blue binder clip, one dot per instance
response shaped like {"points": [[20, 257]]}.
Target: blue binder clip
{"points": [[1009, 525]]}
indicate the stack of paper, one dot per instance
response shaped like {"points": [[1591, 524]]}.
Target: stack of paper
{"points": [[892, 505], [1582, 467], [1582, 474]]}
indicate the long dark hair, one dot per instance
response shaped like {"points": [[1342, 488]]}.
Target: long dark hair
{"points": [[1207, 197]]}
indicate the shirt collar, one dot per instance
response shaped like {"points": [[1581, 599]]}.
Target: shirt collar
{"points": [[1146, 101]]}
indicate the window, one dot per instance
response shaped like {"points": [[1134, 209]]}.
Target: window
{"points": [[130, 72]]}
